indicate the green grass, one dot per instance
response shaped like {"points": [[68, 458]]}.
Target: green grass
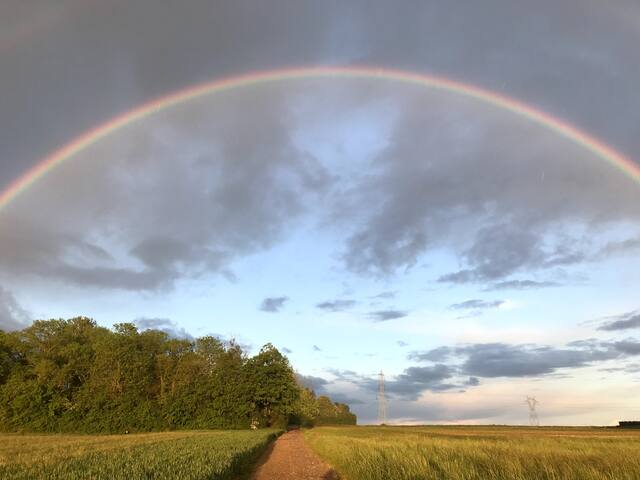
{"points": [[185, 455], [482, 453]]}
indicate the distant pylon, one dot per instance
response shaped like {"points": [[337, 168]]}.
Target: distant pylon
{"points": [[382, 401], [534, 421]]}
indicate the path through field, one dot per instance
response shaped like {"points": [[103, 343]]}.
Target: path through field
{"points": [[291, 458]]}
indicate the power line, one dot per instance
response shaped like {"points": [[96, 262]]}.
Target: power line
{"points": [[534, 421], [382, 401]]}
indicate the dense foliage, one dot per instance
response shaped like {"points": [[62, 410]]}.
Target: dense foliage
{"points": [[74, 376]]}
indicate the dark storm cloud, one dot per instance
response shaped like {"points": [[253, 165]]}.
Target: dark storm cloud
{"points": [[625, 321], [139, 55], [12, 315], [273, 304], [476, 304], [515, 221], [229, 197], [336, 305], [521, 285], [440, 171], [385, 315], [165, 325]]}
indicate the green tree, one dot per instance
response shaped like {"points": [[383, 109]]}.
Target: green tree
{"points": [[275, 391]]}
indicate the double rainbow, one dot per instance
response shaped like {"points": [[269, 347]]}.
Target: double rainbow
{"points": [[560, 127]]}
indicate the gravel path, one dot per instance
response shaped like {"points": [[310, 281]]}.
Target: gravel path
{"points": [[291, 458]]}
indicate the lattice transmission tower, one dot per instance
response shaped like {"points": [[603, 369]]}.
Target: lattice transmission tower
{"points": [[534, 421], [382, 401]]}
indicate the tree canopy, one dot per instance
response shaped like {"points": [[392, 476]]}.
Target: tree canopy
{"points": [[75, 376]]}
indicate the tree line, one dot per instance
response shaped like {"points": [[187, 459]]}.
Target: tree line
{"points": [[75, 376]]}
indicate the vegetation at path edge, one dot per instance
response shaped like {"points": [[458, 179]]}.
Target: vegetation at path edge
{"points": [[194, 455], [478, 453]]}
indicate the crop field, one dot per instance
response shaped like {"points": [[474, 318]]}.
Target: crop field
{"points": [[482, 453], [169, 455]]}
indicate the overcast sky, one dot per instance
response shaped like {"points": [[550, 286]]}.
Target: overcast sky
{"points": [[358, 224]]}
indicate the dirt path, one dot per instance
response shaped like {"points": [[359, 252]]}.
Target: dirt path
{"points": [[290, 458]]}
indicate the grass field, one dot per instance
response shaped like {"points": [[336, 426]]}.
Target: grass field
{"points": [[483, 453], [170, 455]]}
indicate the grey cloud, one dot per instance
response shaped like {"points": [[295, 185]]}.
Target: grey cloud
{"points": [[344, 398], [620, 247], [625, 321], [473, 382], [336, 305], [273, 304], [476, 304], [490, 360], [627, 347], [317, 384], [12, 315], [127, 233], [456, 178], [322, 386], [165, 325], [499, 251], [511, 223], [385, 315], [521, 285], [122, 230], [629, 368], [345, 375], [413, 381], [502, 360], [385, 295], [435, 355]]}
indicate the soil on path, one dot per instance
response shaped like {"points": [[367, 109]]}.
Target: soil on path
{"points": [[290, 458]]}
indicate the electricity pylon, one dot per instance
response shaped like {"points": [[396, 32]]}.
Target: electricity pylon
{"points": [[382, 401], [534, 421]]}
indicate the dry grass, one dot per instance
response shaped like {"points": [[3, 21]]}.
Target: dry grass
{"points": [[482, 453], [168, 455]]}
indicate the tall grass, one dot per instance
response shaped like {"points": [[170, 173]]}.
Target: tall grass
{"points": [[482, 453], [184, 455]]}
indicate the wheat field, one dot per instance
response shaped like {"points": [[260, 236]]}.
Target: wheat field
{"points": [[482, 453], [186, 455]]}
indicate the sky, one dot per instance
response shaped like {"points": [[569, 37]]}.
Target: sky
{"points": [[360, 224]]}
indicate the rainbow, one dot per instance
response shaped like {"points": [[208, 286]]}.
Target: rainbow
{"points": [[598, 148]]}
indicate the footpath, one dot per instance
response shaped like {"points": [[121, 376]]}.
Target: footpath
{"points": [[290, 458]]}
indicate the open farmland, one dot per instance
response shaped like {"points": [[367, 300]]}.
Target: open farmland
{"points": [[185, 455], [483, 453]]}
